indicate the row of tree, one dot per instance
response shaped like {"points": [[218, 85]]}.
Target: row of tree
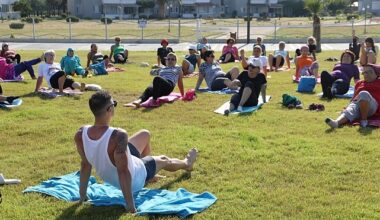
{"points": [[40, 7]]}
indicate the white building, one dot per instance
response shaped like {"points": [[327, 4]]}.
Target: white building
{"points": [[372, 6], [6, 9]]}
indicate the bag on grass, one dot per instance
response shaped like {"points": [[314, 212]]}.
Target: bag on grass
{"points": [[306, 84]]}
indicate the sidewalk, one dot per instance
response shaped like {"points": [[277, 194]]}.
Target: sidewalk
{"points": [[153, 47]]}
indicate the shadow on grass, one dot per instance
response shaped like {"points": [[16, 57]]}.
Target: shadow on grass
{"points": [[46, 97], [184, 176], [366, 131], [87, 211]]}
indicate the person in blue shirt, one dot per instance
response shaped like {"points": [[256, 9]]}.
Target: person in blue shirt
{"points": [[70, 64]]}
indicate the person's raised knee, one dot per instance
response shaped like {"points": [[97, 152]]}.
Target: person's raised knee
{"points": [[364, 95], [145, 132]]}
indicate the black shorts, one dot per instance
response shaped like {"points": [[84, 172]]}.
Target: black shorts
{"points": [[150, 166], [134, 150], [281, 62], [218, 82], [54, 80]]}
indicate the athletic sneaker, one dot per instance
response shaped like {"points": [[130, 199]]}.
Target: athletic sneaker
{"points": [[10, 99], [226, 112], [239, 108], [332, 123], [363, 123]]}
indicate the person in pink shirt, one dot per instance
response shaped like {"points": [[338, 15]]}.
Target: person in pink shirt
{"points": [[229, 52]]}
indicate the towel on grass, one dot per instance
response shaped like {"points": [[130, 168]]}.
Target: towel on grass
{"points": [[161, 100], [221, 92], [15, 103], [147, 201], [53, 93], [115, 69], [372, 121], [226, 106], [349, 94]]}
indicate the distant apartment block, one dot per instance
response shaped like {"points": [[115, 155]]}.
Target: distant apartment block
{"points": [[126, 9], [6, 9], [370, 6]]}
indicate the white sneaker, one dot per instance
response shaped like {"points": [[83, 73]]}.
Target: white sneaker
{"points": [[363, 123], [239, 108], [332, 123]]}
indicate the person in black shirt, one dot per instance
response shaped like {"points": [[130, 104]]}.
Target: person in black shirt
{"points": [[252, 82], [163, 51]]}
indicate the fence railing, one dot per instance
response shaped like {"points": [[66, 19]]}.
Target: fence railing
{"points": [[186, 30]]}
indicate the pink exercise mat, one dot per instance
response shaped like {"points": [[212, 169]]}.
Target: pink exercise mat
{"points": [[150, 103]]}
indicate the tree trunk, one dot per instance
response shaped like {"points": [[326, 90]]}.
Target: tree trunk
{"points": [[317, 31], [161, 11]]}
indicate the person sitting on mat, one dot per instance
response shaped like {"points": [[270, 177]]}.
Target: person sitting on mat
{"points": [[191, 61], [94, 56], [164, 83], [203, 46], [118, 52], [106, 149], [214, 76], [251, 83], [8, 99], [305, 65], [54, 75], [259, 42], [10, 55], [365, 102], [338, 82], [368, 52], [256, 55], [279, 57], [10, 71], [163, 52], [229, 52], [70, 64]]}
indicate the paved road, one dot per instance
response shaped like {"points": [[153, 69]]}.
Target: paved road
{"points": [[153, 47]]}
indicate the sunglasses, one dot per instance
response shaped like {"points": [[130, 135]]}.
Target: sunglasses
{"points": [[114, 104]]}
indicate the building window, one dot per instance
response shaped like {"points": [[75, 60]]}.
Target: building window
{"points": [[96, 9], [129, 10]]}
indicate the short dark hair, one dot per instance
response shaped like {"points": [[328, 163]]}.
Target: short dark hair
{"points": [[99, 101], [105, 57], [230, 40], [207, 53]]}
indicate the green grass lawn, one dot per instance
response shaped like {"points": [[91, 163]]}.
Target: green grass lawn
{"points": [[272, 164]]}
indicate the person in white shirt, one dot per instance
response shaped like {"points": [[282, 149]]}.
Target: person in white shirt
{"points": [[106, 149], [257, 51], [54, 75]]}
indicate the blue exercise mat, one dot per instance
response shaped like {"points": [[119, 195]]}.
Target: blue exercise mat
{"points": [[221, 92], [348, 95], [148, 201], [14, 104], [226, 106]]}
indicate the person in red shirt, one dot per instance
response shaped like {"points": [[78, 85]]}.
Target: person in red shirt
{"points": [[365, 102], [10, 55]]}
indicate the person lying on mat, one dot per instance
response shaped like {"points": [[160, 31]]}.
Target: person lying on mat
{"points": [[11, 71], [94, 56], [368, 52], [229, 52], [70, 64], [106, 149], [338, 82], [365, 102], [213, 74], [305, 65], [54, 75], [191, 61], [279, 57], [251, 83], [8, 99], [256, 55], [9, 54], [118, 52], [164, 83]]}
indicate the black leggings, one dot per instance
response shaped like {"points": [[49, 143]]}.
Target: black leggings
{"points": [[332, 86], [252, 100], [160, 87]]}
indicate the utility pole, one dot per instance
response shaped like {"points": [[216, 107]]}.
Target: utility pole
{"points": [[248, 21]]}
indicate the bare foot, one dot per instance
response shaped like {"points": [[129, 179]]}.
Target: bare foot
{"points": [[136, 104], [191, 157], [82, 87]]}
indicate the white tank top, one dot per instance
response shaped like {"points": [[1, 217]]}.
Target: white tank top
{"points": [[97, 155]]}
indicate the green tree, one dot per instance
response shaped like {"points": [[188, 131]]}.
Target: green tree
{"points": [[38, 6], [315, 7], [335, 5], [24, 7]]}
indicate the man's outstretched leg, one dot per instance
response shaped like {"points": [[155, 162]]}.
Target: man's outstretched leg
{"points": [[173, 164]]}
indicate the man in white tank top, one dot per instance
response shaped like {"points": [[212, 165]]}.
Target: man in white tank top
{"points": [[106, 148]]}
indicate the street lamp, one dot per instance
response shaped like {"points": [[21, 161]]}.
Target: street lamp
{"points": [[169, 7], [365, 18]]}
